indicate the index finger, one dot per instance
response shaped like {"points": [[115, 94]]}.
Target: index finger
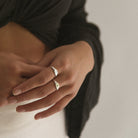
{"points": [[38, 80]]}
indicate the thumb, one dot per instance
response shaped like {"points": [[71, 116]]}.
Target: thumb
{"points": [[29, 70]]}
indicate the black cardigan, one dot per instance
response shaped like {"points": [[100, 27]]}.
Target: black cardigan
{"points": [[56, 23]]}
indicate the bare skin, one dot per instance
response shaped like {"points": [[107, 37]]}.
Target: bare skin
{"points": [[17, 39], [73, 61], [18, 48], [13, 70]]}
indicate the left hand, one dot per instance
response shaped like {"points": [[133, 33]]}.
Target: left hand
{"points": [[73, 62]]}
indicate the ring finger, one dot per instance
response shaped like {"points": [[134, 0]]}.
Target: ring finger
{"points": [[41, 91], [46, 101]]}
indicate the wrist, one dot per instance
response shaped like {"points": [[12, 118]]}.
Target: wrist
{"points": [[87, 52]]}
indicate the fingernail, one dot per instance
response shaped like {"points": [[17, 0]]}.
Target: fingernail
{"points": [[12, 100], [16, 92]]}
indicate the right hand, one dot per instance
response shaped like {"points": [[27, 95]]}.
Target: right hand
{"points": [[14, 69]]}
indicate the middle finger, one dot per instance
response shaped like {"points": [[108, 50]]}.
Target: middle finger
{"points": [[39, 92], [46, 101], [38, 80]]}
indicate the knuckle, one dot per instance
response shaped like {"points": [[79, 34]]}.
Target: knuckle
{"points": [[70, 77], [65, 63], [15, 67], [41, 79], [73, 95], [72, 87]]}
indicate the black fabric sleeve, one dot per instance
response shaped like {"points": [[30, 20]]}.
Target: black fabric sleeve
{"points": [[74, 27]]}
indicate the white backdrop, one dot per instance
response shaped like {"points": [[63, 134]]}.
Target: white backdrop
{"points": [[116, 115]]}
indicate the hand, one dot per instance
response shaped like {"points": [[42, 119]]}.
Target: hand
{"points": [[73, 62], [13, 68]]}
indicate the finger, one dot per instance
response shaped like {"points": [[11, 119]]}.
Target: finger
{"points": [[38, 80], [40, 92], [18, 81], [54, 109], [46, 101], [47, 60], [29, 70], [23, 59], [3, 102]]}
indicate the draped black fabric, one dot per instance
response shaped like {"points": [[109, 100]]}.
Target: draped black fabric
{"points": [[56, 23]]}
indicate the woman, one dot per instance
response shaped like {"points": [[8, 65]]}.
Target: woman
{"points": [[38, 38]]}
